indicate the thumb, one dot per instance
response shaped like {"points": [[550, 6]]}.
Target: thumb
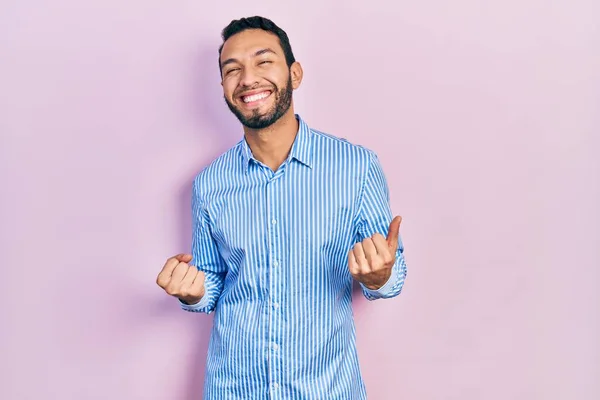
{"points": [[393, 231], [186, 258]]}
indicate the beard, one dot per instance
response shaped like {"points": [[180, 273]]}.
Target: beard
{"points": [[283, 101]]}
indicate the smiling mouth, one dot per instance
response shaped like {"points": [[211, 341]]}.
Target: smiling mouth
{"points": [[256, 97]]}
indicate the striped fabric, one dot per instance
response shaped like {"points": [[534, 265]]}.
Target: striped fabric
{"points": [[274, 247]]}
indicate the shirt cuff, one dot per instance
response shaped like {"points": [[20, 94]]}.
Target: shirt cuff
{"points": [[387, 287], [198, 306]]}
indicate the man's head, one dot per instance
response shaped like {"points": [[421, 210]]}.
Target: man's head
{"points": [[258, 71]]}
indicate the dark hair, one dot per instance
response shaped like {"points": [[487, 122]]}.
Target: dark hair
{"points": [[256, 22]]}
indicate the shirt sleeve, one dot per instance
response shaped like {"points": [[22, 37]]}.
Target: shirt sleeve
{"points": [[205, 256], [375, 216]]}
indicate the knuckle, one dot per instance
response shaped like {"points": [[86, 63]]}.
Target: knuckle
{"points": [[172, 290]]}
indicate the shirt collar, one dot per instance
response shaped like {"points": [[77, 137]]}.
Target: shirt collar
{"points": [[301, 149]]}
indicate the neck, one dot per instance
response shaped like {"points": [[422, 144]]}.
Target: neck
{"points": [[271, 146]]}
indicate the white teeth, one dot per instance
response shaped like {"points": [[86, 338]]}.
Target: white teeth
{"points": [[255, 97]]}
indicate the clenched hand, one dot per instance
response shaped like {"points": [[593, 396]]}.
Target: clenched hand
{"points": [[181, 280]]}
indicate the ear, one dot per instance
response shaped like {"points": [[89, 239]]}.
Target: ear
{"points": [[296, 74]]}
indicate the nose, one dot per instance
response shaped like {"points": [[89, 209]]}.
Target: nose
{"points": [[248, 77]]}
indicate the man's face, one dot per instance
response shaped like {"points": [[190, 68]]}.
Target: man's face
{"points": [[257, 83]]}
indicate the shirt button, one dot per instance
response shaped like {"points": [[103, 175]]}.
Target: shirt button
{"points": [[273, 221], [275, 263], [275, 347], [276, 305], [275, 385]]}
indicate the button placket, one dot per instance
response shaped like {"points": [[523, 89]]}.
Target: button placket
{"points": [[273, 262]]}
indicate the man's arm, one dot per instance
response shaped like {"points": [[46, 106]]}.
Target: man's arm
{"points": [[383, 269], [205, 255], [196, 279]]}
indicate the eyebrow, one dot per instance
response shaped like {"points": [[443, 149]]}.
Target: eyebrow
{"points": [[258, 53]]}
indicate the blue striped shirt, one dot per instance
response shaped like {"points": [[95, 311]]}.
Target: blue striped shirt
{"points": [[274, 247]]}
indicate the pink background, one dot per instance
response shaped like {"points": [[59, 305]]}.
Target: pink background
{"points": [[486, 116]]}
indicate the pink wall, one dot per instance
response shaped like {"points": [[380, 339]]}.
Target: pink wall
{"points": [[486, 119]]}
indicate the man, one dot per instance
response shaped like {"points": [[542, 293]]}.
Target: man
{"points": [[282, 224]]}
